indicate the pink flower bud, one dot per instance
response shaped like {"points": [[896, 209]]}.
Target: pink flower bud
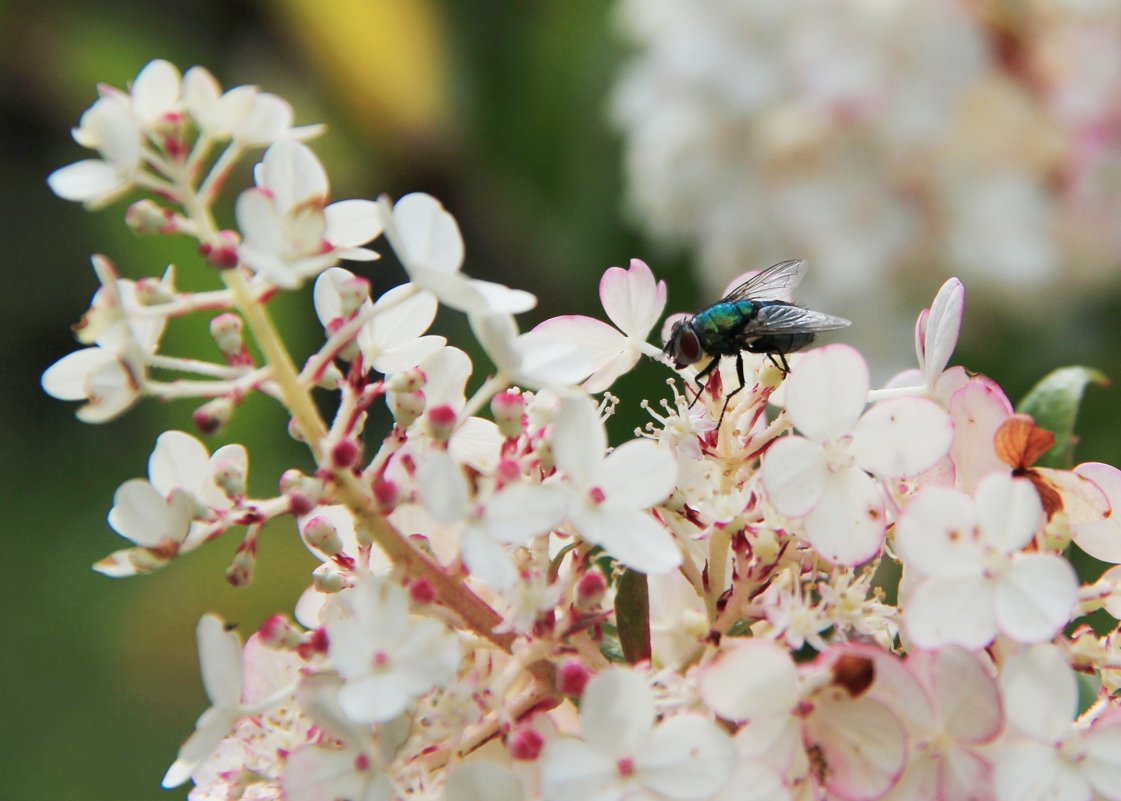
{"points": [[406, 381], [506, 470], [222, 252], [590, 590], [230, 478], [240, 571], [387, 493], [525, 743], [226, 330], [345, 453], [441, 422], [320, 533], [507, 409], [572, 678], [145, 217], [422, 592], [299, 504], [406, 407], [213, 415], [353, 292], [278, 632]]}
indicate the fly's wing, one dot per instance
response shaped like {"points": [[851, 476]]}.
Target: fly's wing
{"points": [[792, 320], [771, 283]]}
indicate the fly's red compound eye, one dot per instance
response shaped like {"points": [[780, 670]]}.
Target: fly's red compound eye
{"points": [[687, 348]]}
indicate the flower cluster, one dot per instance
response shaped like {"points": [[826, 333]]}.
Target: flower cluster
{"points": [[876, 138], [819, 590]]}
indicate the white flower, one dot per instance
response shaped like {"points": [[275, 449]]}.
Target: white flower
{"points": [[610, 493], [289, 231], [976, 580], [426, 239], [623, 754], [536, 359], [1051, 758], [634, 302], [386, 656], [822, 477]]}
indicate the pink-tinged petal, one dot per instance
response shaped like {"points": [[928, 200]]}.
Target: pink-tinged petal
{"points": [[1083, 501], [482, 781], [937, 534], [220, 660], [267, 670], [519, 512], [794, 475], [942, 328], [964, 776], [617, 713], [620, 364], [846, 526], [977, 410], [326, 294], [951, 611], [352, 222], [1102, 765], [579, 441], [637, 475], [319, 774], [631, 537], [155, 90], [749, 681], [573, 769], [86, 180], [293, 174], [1040, 692], [486, 560], [965, 695], [632, 298], [777, 741], [477, 443], [1008, 511], [687, 759], [1101, 538], [1027, 771], [1035, 597], [428, 235], [901, 437], [178, 460], [827, 391], [548, 362], [862, 745], [895, 683]]}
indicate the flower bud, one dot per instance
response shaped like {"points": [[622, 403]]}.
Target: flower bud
{"points": [[525, 743], [146, 217], [230, 478], [294, 430], [153, 292], [330, 377], [590, 591], [505, 471], [240, 571], [353, 292], [387, 493], [222, 251], [345, 453], [406, 381], [320, 533], [544, 454], [349, 350], [422, 592], [278, 632], [212, 416], [327, 579], [226, 330], [440, 422], [406, 407], [507, 409], [573, 678]]}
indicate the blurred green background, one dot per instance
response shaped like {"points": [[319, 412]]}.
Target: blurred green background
{"points": [[498, 109]]}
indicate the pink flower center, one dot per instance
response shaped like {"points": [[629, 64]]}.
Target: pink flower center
{"points": [[380, 660], [597, 495], [625, 766]]}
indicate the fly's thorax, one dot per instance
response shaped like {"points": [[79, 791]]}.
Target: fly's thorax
{"points": [[718, 327]]}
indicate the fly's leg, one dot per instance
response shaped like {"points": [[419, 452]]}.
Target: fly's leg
{"points": [[734, 392], [780, 363], [702, 374]]}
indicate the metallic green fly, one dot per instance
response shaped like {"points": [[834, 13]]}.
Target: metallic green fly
{"points": [[751, 318]]}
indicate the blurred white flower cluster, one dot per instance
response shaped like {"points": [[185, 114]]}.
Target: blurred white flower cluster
{"points": [[878, 139], [819, 590]]}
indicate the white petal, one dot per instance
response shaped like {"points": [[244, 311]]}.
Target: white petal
{"points": [[955, 611], [293, 174], [846, 526], [863, 746], [408, 355], [638, 474], [1027, 771], [548, 362], [942, 328], [794, 475], [326, 297], [212, 726], [260, 221], [519, 512], [901, 437], [1102, 766], [352, 222], [579, 440], [632, 299], [155, 90], [178, 461], [617, 713], [977, 410], [687, 759], [571, 769], [428, 235], [269, 118], [476, 443], [86, 180], [754, 780], [1008, 510], [750, 680], [398, 321], [936, 535], [1102, 538], [1035, 597], [827, 391], [375, 698], [497, 334], [486, 560], [66, 378], [601, 343], [445, 376], [482, 781], [142, 514], [319, 774], [443, 488], [500, 299], [220, 660], [965, 695], [1040, 692], [631, 537], [111, 389]]}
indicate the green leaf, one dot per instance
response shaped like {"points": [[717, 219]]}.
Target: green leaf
{"points": [[1089, 690], [632, 615], [1053, 404]]}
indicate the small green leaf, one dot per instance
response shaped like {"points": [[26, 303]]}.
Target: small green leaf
{"points": [[1089, 690], [632, 615], [1053, 404]]}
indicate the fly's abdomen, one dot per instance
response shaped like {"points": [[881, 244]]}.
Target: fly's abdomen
{"points": [[779, 343], [718, 327]]}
